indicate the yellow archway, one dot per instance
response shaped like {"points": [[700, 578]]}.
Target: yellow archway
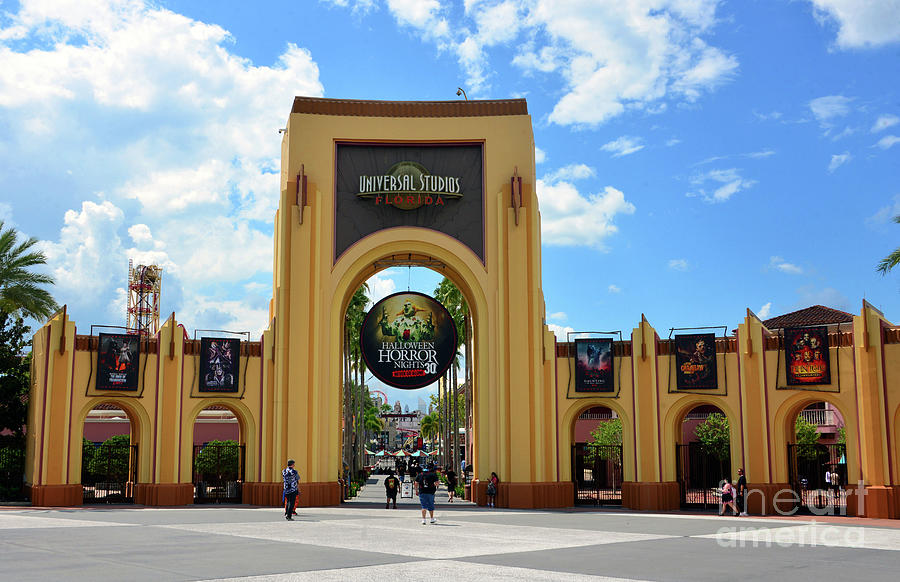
{"points": [[139, 422]]}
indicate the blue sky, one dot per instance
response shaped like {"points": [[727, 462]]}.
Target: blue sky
{"points": [[696, 157]]}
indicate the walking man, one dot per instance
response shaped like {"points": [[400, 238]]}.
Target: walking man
{"points": [[426, 486], [291, 489], [391, 486], [742, 493]]}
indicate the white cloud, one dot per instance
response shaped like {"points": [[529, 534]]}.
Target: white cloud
{"points": [[623, 146], [559, 316], [838, 160], [825, 109], [730, 180], [562, 333], [140, 234], [614, 289], [861, 23], [570, 172], [570, 219], [785, 267], [673, 141], [539, 155], [886, 213], [611, 56], [380, 287], [888, 141], [885, 121], [828, 296], [678, 264], [765, 311]]}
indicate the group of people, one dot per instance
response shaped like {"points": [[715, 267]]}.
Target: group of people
{"points": [[734, 496]]}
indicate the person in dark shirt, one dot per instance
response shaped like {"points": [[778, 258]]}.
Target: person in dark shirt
{"points": [[426, 486], [391, 486], [450, 474], [291, 489], [741, 488]]}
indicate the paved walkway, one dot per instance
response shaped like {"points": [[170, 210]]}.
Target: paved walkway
{"points": [[374, 494], [357, 541]]}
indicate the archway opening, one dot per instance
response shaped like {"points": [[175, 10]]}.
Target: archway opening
{"points": [[387, 428], [597, 457], [108, 455], [703, 456], [817, 458], [219, 456]]}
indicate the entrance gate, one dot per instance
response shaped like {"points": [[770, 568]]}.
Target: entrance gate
{"points": [[598, 480], [807, 468], [218, 472], [699, 474], [108, 473]]}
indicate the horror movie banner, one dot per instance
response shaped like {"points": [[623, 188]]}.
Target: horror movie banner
{"points": [[806, 356], [220, 361], [593, 365], [695, 361], [117, 362], [408, 340]]}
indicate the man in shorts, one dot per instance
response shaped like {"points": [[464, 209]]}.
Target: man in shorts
{"points": [[426, 486], [391, 486]]}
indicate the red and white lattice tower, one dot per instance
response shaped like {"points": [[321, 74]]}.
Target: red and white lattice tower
{"points": [[144, 289]]}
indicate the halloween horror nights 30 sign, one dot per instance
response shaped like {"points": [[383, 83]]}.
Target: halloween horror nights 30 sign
{"points": [[117, 362], [593, 365], [388, 185], [220, 361], [806, 354], [408, 340], [695, 361]]}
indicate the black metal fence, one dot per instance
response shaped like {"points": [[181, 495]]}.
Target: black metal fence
{"points": [[218, 472], [597, 475], [12, 470], [811, 473], [109, 472], [699, 475]]}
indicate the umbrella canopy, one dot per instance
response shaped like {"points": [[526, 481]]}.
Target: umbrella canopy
{"points": [[368, 452], [400, 453], [416, 454], [379, 454]]}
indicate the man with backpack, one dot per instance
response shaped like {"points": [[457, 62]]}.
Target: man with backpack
{"points": [[426, 487], [391, 486]]}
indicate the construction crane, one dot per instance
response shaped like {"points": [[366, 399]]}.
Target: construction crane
{"points": [[144, 289]]}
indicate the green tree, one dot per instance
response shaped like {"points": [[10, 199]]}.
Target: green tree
{"points": [[890, 261], [606, 434], [842, 436], [218, 459], [110, 460], [20, 288], [14, 377], [87, 457], [429, 426], [715, 436], [807, 437]]}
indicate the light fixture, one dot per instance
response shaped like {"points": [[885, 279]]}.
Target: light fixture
{"points": [[461, 91]]}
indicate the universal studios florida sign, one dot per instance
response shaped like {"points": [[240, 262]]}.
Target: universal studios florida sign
{"points": [[407, 186], [408, 340]]}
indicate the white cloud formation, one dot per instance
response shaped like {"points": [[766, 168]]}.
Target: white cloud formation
{"points": [[539, 155], [614, 288], [561, 332], [730, 180], [570, 219], [611, 56], [570, 172], [765, 311], [838, 160], [559, 316], [885, 121], [380, 286], [156, 108], [623, 146], [678, 264], [888, 141], [861, 23], [826, 109], [785, 267]]}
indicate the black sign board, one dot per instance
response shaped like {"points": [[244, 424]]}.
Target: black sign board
{"points": [[435, 186], [408, 340], [695, 361], [594, 365], [807, 356], [117, 362], [220, 363]]}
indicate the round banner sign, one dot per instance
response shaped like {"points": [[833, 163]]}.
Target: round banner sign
{"points": [[408, 340]]}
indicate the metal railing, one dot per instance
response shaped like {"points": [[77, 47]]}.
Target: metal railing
{"points": [[218, 473], [109, 473], [818, 417], [597, 477]]}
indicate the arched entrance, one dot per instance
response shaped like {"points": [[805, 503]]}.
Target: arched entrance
{"points": [[597, 460], [431, 422], [109, 463], [702, 455], [219, 456], [817, 458]]}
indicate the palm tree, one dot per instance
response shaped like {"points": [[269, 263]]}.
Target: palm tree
{"points": [[354, 388], [20, 291], [429, 427], [453, 300], [893, 259]]}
